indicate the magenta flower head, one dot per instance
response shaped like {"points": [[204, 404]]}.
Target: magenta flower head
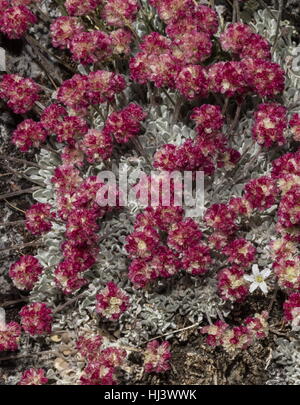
{"points": [[208, 118], [294, 125], [288, 210], [221, 218], [121, 41], [33, 376], [214, 333], [240, 252], [81, 7], [114, 356], [73, 93], [104, 85], [142, 243], [196, 259], [261, 192], [192, 47], [29, 134], [25, 272], [15, 21], [89, 347], [169, 10], [232, 285], [90, 47], [192, 82], [287, 271], [68, 276], [125, 124], [184, 234], [38, 218], [98, 373], [235, 37], [292, 310], [20, 93], [71, 129], [227, 78], [63, 29], [51, 116], [157, 357], [270, 124], [9, 334], [97, 145], [256, 47], [142, 272], [36, 318], [119, 13], [111, 302], [265, 78]]}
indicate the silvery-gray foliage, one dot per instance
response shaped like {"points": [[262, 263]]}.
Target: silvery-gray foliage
{"points": [[151, 313], [286, 358]]}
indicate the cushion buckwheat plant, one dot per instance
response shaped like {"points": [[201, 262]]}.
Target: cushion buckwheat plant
{"points": [[161, 138]]}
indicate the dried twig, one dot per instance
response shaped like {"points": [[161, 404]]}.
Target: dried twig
{"points": [[20, 192], [17, 160], [280, 11], [12, 223], [24, 176], [172, 332], [25, 245], [13, 302]]}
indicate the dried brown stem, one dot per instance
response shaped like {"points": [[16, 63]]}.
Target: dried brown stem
{"points": [[20, 192]]}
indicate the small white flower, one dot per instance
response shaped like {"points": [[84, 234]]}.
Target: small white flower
{"points": [[257, 279]]}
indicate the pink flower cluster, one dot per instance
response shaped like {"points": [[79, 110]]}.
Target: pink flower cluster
{"points": [[111, 302], [231, 284], [265, 78], [81, 91], [162, 61], [119, 13], [90, 47], [125, 124], [29, 134], [173, 61], [25, 272], [261, 192], [292, 310], [78, 207], [36, 318], [240, 252], [237, 337], [10, 336], [294, 125], [238, 38], [152, 259], [15, 21], [102, 364], [19, 93], [81, 7], [33, 376], [208, 118], [63, 29], [286, 174], [97, 145], [157, 357], [207, 151], [270, 124], [39, 218]]}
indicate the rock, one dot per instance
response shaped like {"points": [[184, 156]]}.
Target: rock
{"points": [[2, 60]]}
